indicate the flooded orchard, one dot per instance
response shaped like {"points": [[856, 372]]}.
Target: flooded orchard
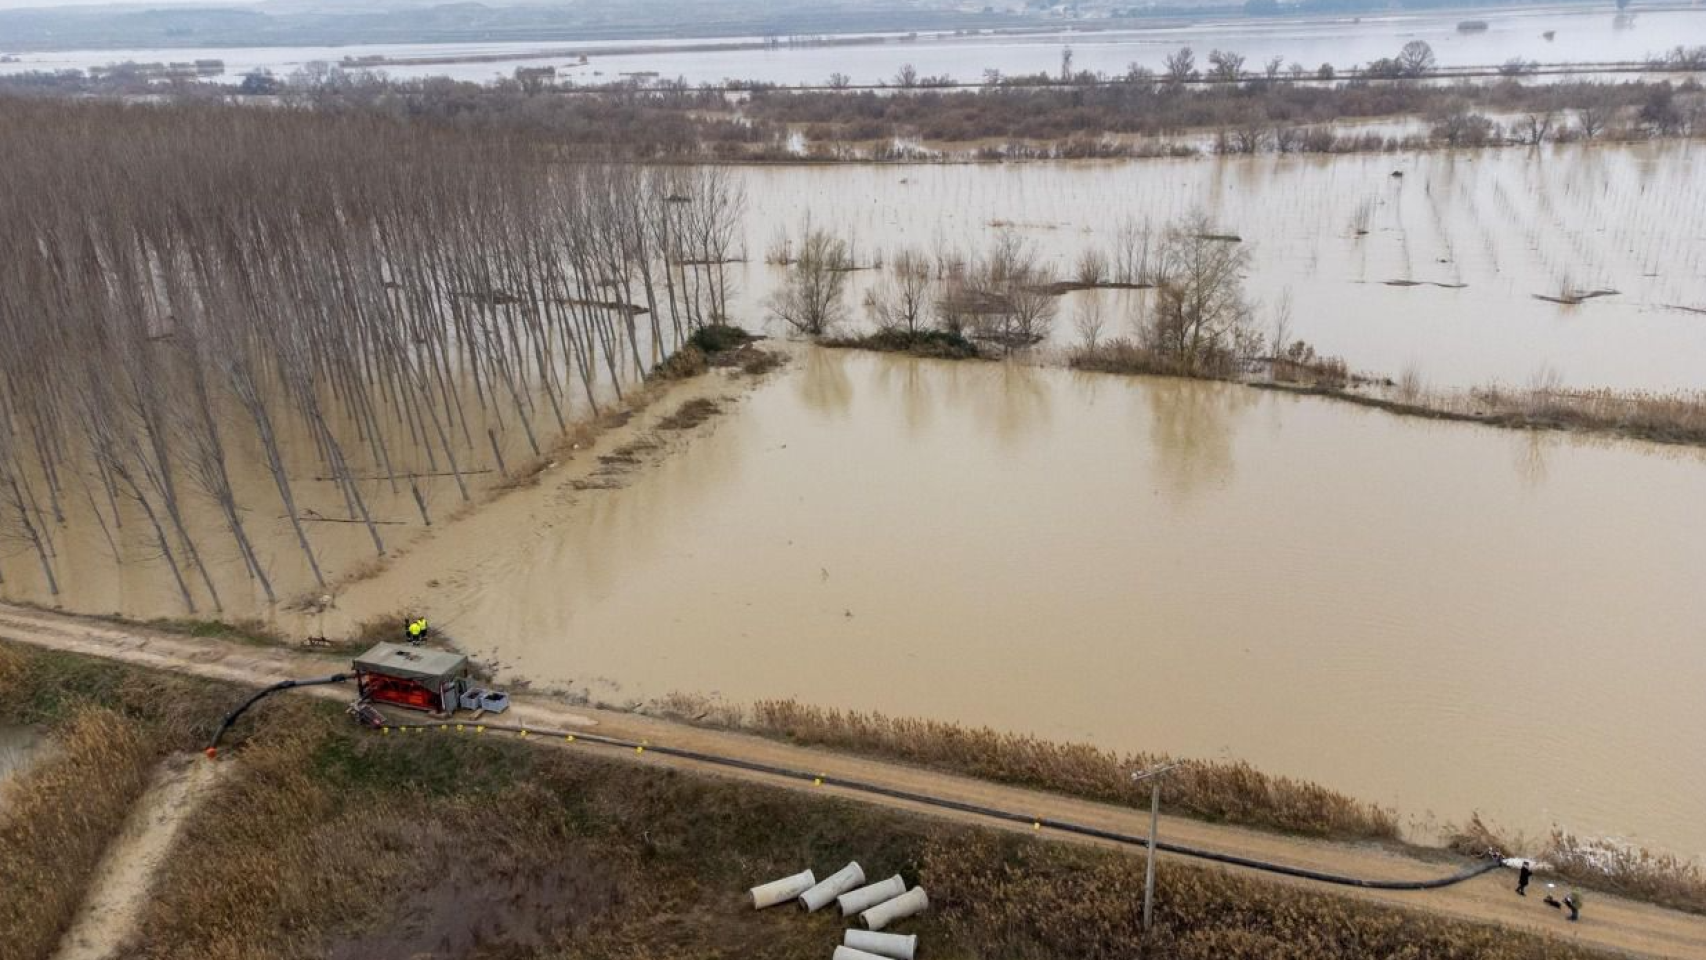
{"points": [[1476, 619]]}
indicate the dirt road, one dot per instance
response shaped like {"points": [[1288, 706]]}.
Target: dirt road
{"points": [[1608, 922], [107, 919]]}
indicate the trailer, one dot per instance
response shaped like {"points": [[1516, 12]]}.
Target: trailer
{"points": [[412, 677]]}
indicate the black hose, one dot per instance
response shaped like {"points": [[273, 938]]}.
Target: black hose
{"points": [[1064, 826], [231, 718]]}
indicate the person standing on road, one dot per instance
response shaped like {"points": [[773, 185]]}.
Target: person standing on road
{"points": [[1523, 875], [1573, 900]]}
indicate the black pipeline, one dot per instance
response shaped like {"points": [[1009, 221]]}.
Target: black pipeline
{"points": [[1064, 826]]}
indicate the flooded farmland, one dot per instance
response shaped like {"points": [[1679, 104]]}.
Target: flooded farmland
{"points": [[1494, 227], [1480, 619], [1484, 620]]}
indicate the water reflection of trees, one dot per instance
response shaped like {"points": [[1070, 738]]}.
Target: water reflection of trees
{"points": [[823, 384], [1191, 428], [908, 379], [1021, 402]]}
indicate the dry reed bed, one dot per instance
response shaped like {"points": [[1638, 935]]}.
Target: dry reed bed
{"points": [[1229, 792], [1661, 878], [56, 820], [1661, 417]]}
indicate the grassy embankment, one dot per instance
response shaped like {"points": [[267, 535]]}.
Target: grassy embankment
{"points": [[331, 841]]}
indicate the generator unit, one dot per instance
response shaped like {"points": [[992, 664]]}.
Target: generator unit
{"points": [[414, 677]]}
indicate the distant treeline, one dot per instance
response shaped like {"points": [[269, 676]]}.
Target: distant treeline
{"points": [[1148, 115]]}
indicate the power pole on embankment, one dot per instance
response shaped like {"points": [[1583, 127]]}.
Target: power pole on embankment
{"points": [[1153, 775]]}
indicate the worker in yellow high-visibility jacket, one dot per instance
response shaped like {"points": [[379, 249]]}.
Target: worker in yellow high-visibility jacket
{"points": [[417, 629]]}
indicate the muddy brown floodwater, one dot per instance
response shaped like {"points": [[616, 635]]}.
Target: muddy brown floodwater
{"points": [[1444, 281], [1441, 617]]}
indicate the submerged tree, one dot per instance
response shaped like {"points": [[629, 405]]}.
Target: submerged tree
{"points": [[901, 301], [813, 297], [1199, 320]]}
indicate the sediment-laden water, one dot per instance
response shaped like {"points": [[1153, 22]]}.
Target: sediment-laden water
{"points": [[1437, 616]]}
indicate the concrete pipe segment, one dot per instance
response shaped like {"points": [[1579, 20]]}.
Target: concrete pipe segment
{"points": [[848, 953], [911, 902], [864, 898], [832, 886], [781, 891], [895, 946]]}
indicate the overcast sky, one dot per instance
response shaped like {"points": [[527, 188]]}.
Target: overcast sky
{"points": [[15, 4]]}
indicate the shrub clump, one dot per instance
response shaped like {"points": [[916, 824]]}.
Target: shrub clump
{"points": [[931, 344], [716, 338], [683, 364]]}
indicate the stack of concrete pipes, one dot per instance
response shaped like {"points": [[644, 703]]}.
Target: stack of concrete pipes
{"points": [[877, 905]]}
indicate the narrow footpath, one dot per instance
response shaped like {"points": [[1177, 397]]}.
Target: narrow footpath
{"points": [[107, 920], [1609, 923]]}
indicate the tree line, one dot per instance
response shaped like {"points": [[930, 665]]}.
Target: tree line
{"points": [[341, 297], [1293, 106]]}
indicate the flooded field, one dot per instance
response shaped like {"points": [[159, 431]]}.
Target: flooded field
{"points": [[1591, 35], [1478, 619], [1497, 227], [1444, 282]]}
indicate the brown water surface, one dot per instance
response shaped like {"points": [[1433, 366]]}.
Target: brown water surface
{"points": [[1437, 616]]}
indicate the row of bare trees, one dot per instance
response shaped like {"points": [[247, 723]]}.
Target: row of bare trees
{"points": [[206, 312], [1002, 296], [1196, 321]]}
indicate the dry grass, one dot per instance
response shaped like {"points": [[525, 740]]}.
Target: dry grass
{"points": [[1017, 898], [249, 631], [1212, 790], [1660, 878], [690, 414], [1665, 418], [330, 841], [383, 628], [56, 819]]}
